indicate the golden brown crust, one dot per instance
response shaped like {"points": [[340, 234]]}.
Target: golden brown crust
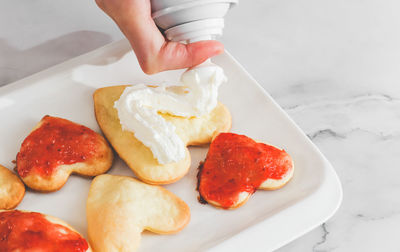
{"points": [[119, 208], [276, 187], [94, 166], [237, 205], [12, 190], [193, 131]]}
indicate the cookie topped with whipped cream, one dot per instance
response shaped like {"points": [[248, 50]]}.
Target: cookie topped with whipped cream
{"points": [[150, 126]]}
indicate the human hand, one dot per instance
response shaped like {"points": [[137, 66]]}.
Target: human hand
{"points": [[154, 52]]}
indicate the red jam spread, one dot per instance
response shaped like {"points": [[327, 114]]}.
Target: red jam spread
{"points": [[28, 231], [56, 142], [235, 164]]}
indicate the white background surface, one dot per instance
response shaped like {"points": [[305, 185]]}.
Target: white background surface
{"points": [[334, 66]]}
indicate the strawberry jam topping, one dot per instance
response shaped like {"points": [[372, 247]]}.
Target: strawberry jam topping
{"points": [[29, 231], [56, 142], [236, 163]]}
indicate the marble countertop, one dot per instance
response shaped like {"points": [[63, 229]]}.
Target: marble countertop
{"points": [[334, 66]]}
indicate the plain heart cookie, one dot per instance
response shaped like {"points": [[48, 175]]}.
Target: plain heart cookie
{"points": [[12, 190], [56, 148], [31, 231], [192, 131], [119, 208], [236, 166]]}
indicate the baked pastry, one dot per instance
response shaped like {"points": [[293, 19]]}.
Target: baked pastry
{"points": [[56, 148], [192, 131], [236, 166], [119, 208], [12, 190], [31, 231]]}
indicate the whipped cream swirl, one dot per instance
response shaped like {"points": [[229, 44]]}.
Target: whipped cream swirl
{"points": [[140, 108]]}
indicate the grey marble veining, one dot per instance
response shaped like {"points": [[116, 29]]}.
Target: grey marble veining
{"points": [[360, 136], [334, 66]]}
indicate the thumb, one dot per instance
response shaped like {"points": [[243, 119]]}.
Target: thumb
{"points": [[174, 55]]}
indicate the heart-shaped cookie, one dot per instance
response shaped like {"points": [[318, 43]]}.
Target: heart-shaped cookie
{"points": [[31, 231], [119, 208], [192, 131], [12, 190], [56, 148], [236, 166]]}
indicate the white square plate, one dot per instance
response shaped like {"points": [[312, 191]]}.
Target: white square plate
{"points": [[267, 221]]}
